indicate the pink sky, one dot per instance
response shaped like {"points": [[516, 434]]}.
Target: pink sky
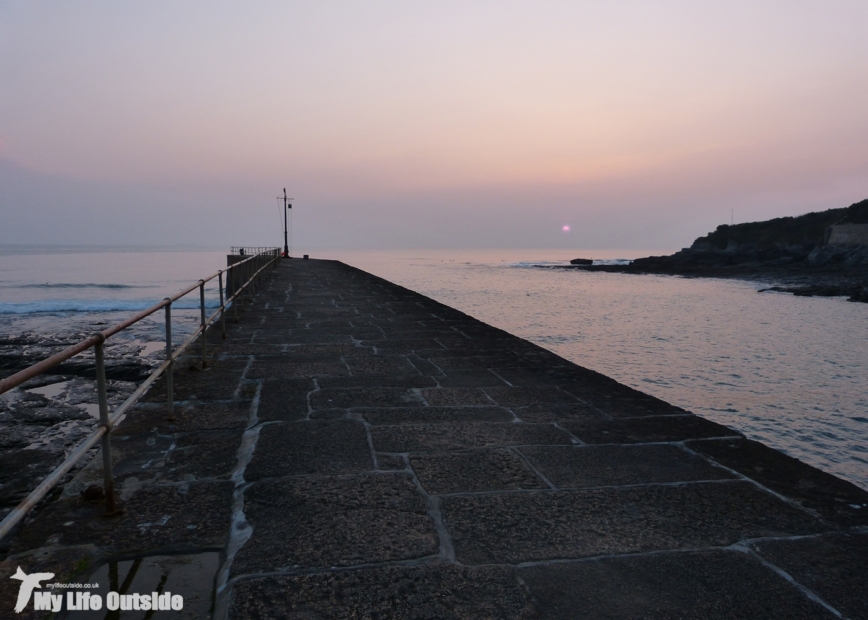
{"points": [[395, 124]]}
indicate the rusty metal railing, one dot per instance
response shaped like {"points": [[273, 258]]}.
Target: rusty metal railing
{"points": [[243, 275]]}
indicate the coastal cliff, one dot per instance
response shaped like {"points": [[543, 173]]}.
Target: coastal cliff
{"points": [[823, 253]]}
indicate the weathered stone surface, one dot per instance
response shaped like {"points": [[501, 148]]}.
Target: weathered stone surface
{"points": [[192, 576], [407, 381], [401, 415], [155, 518], [592, 466], [180, 458], [477, 470], [456, 397], [334, 521], [187, 417], [315, 447], [833, 566], [365, 397], [837, 500], [574, 524], [523, 396], [559, 412], [470, 378], [19, 472], [646, 430], [461, 435], [711, 585], [380, 366], [442, 591], [284, 399]]}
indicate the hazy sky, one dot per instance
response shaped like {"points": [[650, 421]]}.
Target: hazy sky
{"points": [[433, 124]]}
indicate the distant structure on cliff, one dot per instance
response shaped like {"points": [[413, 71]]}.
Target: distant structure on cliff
{"points": [[852, 229]]}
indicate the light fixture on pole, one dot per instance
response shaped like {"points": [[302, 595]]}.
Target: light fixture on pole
{"points": [[286, 208]]}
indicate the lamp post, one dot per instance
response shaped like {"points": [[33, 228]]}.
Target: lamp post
{"points": [[286, 207]]}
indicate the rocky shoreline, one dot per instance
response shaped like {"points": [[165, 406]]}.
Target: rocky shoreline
{"points": [[795, 254], [44, 419]]}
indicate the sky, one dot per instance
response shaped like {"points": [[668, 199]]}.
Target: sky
{"points": [[398, 124]]}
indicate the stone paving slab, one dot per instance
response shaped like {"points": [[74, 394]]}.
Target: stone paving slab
{"points": [[334, 521], [596, 466], [354, 449], [834, 566], [837, 500], [316, 447], [156, 518], [441, 437], [647, 429], [533, 526], [411, 415], [444, 592], [187, 417], [478, 470], [284, 399], [710, 585]]}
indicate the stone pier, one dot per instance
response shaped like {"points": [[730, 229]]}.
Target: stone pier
{"points": [[357, 450]]}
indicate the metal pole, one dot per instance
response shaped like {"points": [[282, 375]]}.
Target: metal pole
{"points": [[108, 476], [285, 244], [202, 323], [222, 305], [170, 388]]}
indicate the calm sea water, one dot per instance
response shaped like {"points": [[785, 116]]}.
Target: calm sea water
{"points": [[788, 371]]}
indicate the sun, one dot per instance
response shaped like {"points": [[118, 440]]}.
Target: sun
{"points": [[566, 228]]}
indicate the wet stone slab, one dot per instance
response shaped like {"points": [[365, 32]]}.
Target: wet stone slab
{"points": [[417, 381], [179, 458], [192, 576], [837, 500], [523, 396], [593, 466], [314, 447], [834, 567], [401, 415], [442, 591], [380, 366], [334, 521], [331, 398], [156, 517], [284, 399], [647, 430], [441, 437], [574, 524], [470, 378], [186, 418], [477, 470], [456, 397], [713, 585]]}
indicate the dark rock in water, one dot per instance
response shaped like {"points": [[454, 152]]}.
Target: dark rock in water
{"points": [[791, 251], [582, 261], [93, 493]]}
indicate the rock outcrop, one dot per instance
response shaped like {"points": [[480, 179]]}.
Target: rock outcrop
{"points": [[800, 253]]}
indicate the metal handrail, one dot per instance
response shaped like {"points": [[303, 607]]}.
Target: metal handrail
{"points": [[250, 268]]}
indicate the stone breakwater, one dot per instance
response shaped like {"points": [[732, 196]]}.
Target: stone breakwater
{"points": [[358, 450]]}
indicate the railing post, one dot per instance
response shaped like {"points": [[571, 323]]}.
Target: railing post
{"points": [[108, 476], [234, 275], [202, 323], [170, 388], [222, 305]]}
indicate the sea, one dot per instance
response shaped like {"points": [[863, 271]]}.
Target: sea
{"points": [[791, 372]]}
